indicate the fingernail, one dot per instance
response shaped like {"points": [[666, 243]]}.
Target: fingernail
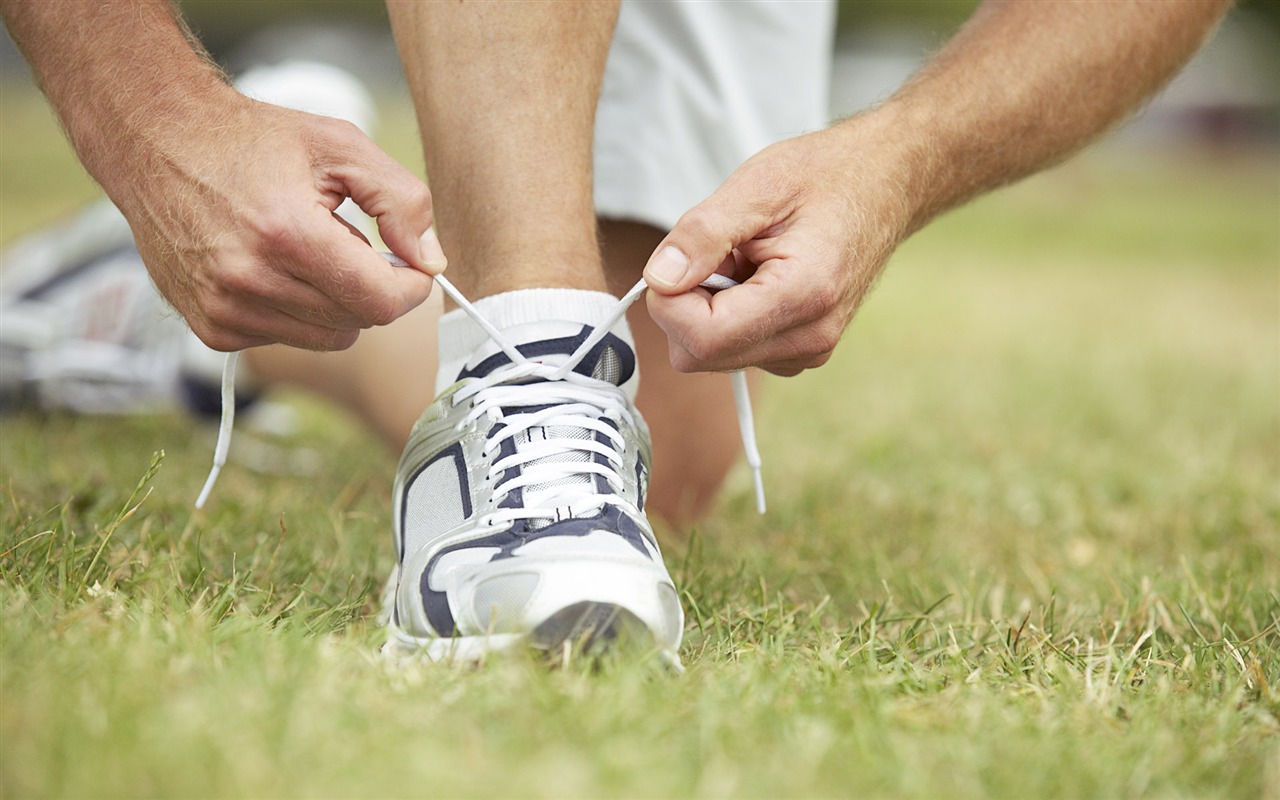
{"points": [[432, 252], [667, 267]]}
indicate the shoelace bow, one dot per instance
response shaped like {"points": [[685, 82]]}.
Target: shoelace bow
{"points": [[577, 401]]}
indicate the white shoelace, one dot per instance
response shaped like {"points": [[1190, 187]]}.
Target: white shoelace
{"points": [[579, 403], [554, 443]]}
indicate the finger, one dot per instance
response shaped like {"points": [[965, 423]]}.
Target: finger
{"points": [[684, 361], [258, 283], [723, 331], [707, 234], [304, 302], [349, 273], [400, 202], [786, 355], [374, 290], [237, 326], [737, 266]]}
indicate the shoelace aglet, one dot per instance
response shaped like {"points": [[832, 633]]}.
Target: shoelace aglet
{"points": [[758, 478], [224, 427]]}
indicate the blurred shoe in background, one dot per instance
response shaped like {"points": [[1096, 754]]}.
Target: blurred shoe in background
{"points": [[82, 327]]}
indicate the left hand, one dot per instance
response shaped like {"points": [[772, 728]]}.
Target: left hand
{"points": [[805, 226]]}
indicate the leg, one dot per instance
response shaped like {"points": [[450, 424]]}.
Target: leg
{"points": [[508, 194], [506, 98], [686, 99], [518, 512]]}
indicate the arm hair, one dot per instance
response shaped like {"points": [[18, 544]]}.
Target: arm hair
{"points": [[1025, 83]]}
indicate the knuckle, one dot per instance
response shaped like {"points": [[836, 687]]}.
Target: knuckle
{"points": [[216, 338], [319, 128], [343, 340], [380, 310], [274, 228], [219, 312], [818, 360], [826, 340], [824, 298], [418, 197], [343, 128], [817, 340], [699, 223], [323, 340], [702, 347], [816, 349], [238, 280], [682, 362]]}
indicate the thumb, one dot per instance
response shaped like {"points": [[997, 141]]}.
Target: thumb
{"points": [[704, 238]]}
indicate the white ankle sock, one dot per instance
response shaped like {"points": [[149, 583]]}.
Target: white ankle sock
{"points": [[538, 309]]}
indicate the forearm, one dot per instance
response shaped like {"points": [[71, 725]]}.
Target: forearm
{"points": [[122, 75], [1023, 85], [809, 222]]}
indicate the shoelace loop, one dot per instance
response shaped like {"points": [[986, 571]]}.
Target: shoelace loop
{"points": [[562, 373]]}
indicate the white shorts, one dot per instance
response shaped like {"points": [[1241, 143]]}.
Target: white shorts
{"points": [[692, 89]]}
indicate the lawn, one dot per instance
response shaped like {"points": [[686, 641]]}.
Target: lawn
{"points": [[1024, 541]]}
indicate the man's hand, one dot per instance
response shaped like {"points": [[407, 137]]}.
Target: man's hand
{"points": [[231, 201], [234, 217], [809, 222], [805, 225]]}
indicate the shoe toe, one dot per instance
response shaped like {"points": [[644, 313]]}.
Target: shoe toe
{"points": [[498, 604]]}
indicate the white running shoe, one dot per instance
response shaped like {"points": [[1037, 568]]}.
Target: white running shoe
{"points": [[81, 325], [519, 506]]}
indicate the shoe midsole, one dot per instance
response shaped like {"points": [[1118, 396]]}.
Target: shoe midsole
{"points": [[644, 590]]}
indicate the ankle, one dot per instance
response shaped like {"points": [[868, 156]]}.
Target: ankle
{"points": [[554, 268], [567, 309]]}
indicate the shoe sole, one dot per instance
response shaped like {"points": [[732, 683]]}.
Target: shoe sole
{"points": [[585, 629], [587, 607]]}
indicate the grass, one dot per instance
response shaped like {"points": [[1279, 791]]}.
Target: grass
{"points": [[1024, 541]]}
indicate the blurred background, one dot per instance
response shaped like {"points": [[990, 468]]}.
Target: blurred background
{"points": [[1228, 97]]}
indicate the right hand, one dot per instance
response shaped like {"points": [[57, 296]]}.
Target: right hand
{"points": [[233, 214]]}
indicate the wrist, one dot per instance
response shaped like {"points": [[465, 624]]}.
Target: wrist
{"points": [[883, 161], [138, 132], [124, 78]]}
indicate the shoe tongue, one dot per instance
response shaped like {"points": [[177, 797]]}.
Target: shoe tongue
{"points": [[540, 494], [552, 343]]}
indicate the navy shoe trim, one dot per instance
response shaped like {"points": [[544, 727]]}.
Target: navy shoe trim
{"points": [[564, 346], [453, 451]]}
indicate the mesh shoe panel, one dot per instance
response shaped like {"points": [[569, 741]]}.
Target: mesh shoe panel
{"points": [[434, 503]]}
